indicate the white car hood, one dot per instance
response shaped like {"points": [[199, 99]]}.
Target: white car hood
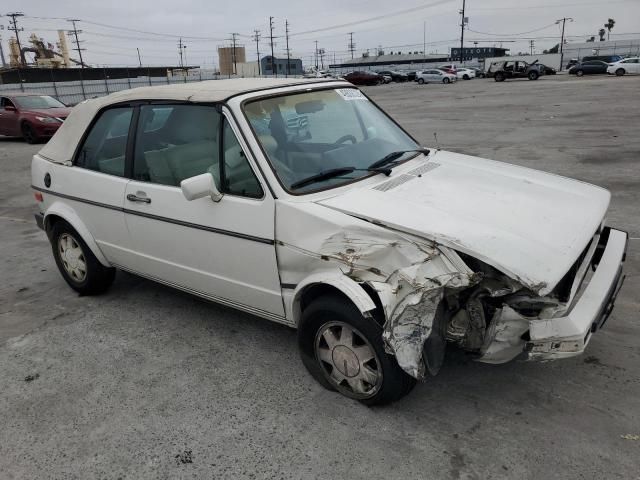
{"points": [[528, 224]]}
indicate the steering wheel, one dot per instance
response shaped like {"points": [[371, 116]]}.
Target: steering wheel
{"points": [[344, 138]]}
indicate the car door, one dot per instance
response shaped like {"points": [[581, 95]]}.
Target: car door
{"points": [[222, 250], [95, 183], [632, 65], [8, 118]]}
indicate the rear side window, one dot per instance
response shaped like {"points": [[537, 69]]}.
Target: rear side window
{"points": [[104, 148]]}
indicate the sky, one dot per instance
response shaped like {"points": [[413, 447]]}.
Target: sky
{"points": [[112, 30]]}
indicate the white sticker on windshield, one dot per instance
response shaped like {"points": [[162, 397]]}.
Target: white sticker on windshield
{"points": [[351, 94]]}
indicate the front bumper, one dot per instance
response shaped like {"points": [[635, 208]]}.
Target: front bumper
{"points": [[40, 220], [569, 335]]}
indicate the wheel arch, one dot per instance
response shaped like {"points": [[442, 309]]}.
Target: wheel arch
{"points": [[362, 296], [59, 211]]}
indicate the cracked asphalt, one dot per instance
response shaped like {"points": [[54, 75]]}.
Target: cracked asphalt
{"points": [[148, 382]]}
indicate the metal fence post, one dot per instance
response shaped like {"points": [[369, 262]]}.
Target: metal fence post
{"points": [[53, 81], [106, 84], [149, 76], [84, 94], [129, 78], [21, 80]]}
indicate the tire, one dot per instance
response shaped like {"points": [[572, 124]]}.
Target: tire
{"points": [[29, 134], [421, 81], [533, 75], [499, 77], [620, 72], [446, 80], [377, 377], [72, 255], [466, 77], [579, 73]]}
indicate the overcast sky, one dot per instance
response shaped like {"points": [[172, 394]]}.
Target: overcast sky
{"points": [[373, 23]]}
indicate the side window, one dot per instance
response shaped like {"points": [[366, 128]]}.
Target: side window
{"points": [[104, 148], [5, 102], [175, 142], [238, 177]]}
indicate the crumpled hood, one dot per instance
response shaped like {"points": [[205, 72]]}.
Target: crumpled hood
{"points": [[528, 224]]}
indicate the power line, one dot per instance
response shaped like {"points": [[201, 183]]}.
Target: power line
{"points": [[77, 42], [512, 34]]}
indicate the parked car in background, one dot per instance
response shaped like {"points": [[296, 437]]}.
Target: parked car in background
{"points": [[31, 116], [379, 251], [364, 78], [449, 68], [395, 75], [387, 78], [504, 69], [411, 75], [604, 58], [480, 73], [623, 67], [590, 67], [465, 73], [435, 76]]}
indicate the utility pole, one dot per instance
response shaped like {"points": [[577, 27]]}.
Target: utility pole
{"points": [[139, 58], [180, 52], [13, 26], [256, 37], [316, 56], [233, 54], [77, 42], [424, 38], [563, 20], [286, 35], [273, 66], [462, 23], [531, 45], [351, 46]]}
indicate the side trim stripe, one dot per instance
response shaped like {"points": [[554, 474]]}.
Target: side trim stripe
{"points": [[174, 221]]}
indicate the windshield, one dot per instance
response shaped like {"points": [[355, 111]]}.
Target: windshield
{"points": [[310, 133], [39, 102]]}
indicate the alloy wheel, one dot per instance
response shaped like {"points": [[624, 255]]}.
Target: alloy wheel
{"points": [[348, 360], [72, 258]]}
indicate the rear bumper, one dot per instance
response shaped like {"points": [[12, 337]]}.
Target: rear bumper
{"points": [[568, 336]]}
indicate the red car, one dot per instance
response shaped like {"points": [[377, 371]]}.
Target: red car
{"points": [[32, 116], [364, 78]]}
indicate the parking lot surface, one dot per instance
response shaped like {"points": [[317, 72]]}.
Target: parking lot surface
{"points": [[148, 382]]}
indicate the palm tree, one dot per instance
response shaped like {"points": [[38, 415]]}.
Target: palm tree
{"points": [[609, 26]]}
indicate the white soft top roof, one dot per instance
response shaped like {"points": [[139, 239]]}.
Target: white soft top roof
{"points": [[61, 147]]}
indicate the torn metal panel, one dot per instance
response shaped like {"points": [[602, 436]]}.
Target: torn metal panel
{"points": [[503, 339]]}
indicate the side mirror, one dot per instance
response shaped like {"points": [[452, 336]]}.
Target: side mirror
{"points": [[9, 108], [200, 186]]}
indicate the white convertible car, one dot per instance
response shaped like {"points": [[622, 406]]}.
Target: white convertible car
{"points": [[304, 203]]}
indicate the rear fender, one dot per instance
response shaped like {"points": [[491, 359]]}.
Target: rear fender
{"points": [[69, 215]]}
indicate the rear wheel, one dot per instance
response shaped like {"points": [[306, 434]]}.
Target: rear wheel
{"points": [[620, 72], [533, 75], [579, 73], [499, 77], [446, 80], [77, 263], [421, 81], [344, 351], [466, 77], [29, 134]]}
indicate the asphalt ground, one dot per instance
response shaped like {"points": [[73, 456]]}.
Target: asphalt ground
{"points": [[148, 382]]}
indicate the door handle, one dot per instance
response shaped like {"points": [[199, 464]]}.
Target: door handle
{"points": [[134, 198]]}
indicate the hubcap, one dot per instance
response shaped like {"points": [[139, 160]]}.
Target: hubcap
{"points": [[348, 361], [72, 257]]}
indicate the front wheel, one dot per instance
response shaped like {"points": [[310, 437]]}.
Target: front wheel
{"points": [[499, 77], [421, 81], [465, 77], [533, 75], [579, 73], [344, 351], [77, 263], [620, 72], [29, 134]]}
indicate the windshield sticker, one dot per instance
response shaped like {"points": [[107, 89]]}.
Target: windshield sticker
{"points": [[351, 94]]}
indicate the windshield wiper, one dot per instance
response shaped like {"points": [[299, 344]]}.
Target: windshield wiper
{"points": [[376, 166], [324, 175]]}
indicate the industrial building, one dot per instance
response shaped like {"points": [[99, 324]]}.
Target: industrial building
{"points": [[268, 64], [229, 58]]}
